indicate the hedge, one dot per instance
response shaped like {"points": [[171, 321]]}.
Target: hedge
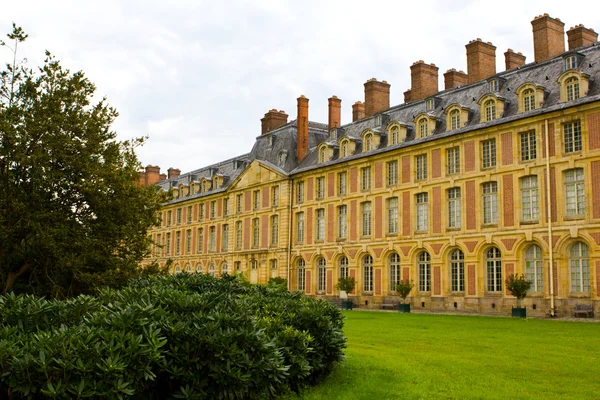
{"points": [[182, 336]]}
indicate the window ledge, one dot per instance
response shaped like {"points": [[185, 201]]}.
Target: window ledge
{"points": [[453, 229], [580, 295], [494, 294], [494, 225], [394, 234], [573, 217], [461, 293], [421, 232]]}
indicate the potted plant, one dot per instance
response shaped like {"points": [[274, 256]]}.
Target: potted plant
{"points": [[403, 288], [346, 285], [518, 286]]}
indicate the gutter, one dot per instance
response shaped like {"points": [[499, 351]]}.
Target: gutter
{"points": [[549, 217], [289, 244]]}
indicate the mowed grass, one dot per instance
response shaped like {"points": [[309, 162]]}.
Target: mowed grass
{"points": [[424, 356]]}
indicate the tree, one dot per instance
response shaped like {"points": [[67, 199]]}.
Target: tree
{"points": [[72, 215], [518, 286]]}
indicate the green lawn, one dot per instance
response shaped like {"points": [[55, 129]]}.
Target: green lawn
{"points": [[424, 356]]}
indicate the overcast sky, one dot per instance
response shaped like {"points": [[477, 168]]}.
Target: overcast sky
{"points": [[197, 76]]}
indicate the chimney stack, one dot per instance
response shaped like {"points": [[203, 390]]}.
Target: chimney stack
{"points": [[273, 120], [548, 37], [152, 174], [335, 112], [580, 36], [423, 80], [513, 60], [407, 96], [481, 60], [302, 128], [454, 78], [173, 172], [358, 111], [377, 97]]}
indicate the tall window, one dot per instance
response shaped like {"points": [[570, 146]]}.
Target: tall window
{"points": [[177, 243], [489, 108], [169, 218], [454, 204], [273, 263], [344, 149], [421, 166], [300, 227], [424, 262], [392, 173], [237, 266], [189, 215], [455, 119], [572, 136], [188, 241], [528, 146], [488, 153], [342, 182], [213, 209], [320, 187], [238, 203], [320, 224], [212, 238], [321, 274], [457, 269], [529, 198], [368, 142], [199, 268], [528, 100], [579, 264], [367, 273], [365, 174], [423, 128], [493, 260], [395, 270], [256, 199], [238, 235], [179, 213], [343, 222], [168, 244], [572, 88], [157, 245], [225, 207], [200, 243], [275, 196], [453, 160], [225, 238], [534, 270], [422, 211], [344, 267], [255, 232], [575, 191], [322, 155], [300, 192], [394, 135], [301, 275], [490, 203], [366, 218], [274, 230], [392, 215], [571, 62], [224, 269]]}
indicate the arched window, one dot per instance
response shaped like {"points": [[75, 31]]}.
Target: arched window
{"points": [[224, 268], [368, 273], [395, 135], [457, 269], [211, 269], [572, 88], [423, 128], [177, 269], [198, 268], [528, 100], [344, 149], [489, 108], [322, 280], [533, 267], [455, 119], [322, 155], [395, 270], [344, 267], [579, 264], [493, 260], [368, 142], [188, 268], [424, 264], [301, 275]]}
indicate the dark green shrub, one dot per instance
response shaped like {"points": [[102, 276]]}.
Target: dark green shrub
{"points": [[518, 286], [182, 336], [403, 288]]}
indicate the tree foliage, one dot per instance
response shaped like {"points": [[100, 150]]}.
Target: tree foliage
{"points": [[72, 216]]}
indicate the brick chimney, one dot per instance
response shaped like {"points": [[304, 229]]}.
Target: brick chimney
{"points": [[579, 36], [481, 60], [173, 172], [548, 37], [358, 111], [335, 112], [407, 96], [273, 120], [163, 177], [513, 60], [152, 174], [302, 128], [377, 97], [454, 78], [423, 80]]}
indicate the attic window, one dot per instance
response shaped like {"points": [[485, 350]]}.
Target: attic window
{"points": [[571, 62], [282, 158], [378, 120], [333, 134], [493, 85], [429, 104]]}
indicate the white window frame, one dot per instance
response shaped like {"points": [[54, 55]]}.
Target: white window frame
{"points": [[457, 271], [493, 260], [488, 153], [367, 226], [454, 207], [529, 198], [343, 222], [300, 227], [534, 269], [453, 160], [424, 268], [574, 192], [367, 263], [421, 166], [320, 224], [490, 202], [395, 270], [392, 172], [528, 146], [392, 214], [579, 267], [572, 137], [422, 211], [365, 174], [321, 275]]}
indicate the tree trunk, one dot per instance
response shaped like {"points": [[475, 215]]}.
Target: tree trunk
{"points": [[13, 276]]}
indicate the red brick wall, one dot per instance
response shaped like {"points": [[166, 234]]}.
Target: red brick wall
{"points": [[597, 277], [194, 240], [508, 200], [207, 211], [247, 233], [377, 281], [218, 238], [353, 225], [266, 193], [507, 148], [329, 281], [553, 206], [378, 217], [247, 203], [470, 203], [405, 169], [219, 208], [469, 156], [308, 222], [330, 184], [437, 281], [406, 213], [436, 163], [308, 282], [264, 231], [184, 215], [551, 141], [330, 223], [353, 180], [594, 131], [195, 212], [437, 209], [471, 282], [310, 188], [352, 274], [595, 189], [405, 274], [509, 270], [378, 175], [555, 276]]}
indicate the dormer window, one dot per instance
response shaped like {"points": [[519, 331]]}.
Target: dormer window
{"points": [[333, 134], [493, 84], [378, 120], [397, 132], [368, 142], [572, 86], [489, 108], [454, 119], [530, 95], [423, 128], [457, 116], [322, 155], [394, 137], [429, 104], [282, 158], [344, 149], [571, 62], [528, 100]]}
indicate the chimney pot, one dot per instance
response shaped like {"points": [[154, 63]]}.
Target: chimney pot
{"points": [[580, 36], [335, 112], [302, 128], [377, 97], [273, 120], [423, 80], [481, 60], [358, 111], [548, 37], [173, 172], [513, 60], [454, 78]]}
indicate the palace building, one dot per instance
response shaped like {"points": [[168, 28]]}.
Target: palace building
{"points": [[455, 190]]}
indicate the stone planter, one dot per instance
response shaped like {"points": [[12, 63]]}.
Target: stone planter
{"points": [[404, 308], [346, 304], [520, 312]]}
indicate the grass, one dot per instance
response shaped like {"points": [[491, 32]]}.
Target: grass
{"points": [[424, 356]]}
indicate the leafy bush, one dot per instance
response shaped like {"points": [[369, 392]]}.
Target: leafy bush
{"points": [[182, 336], [518, 286], [346, 283], [404, 288]]}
